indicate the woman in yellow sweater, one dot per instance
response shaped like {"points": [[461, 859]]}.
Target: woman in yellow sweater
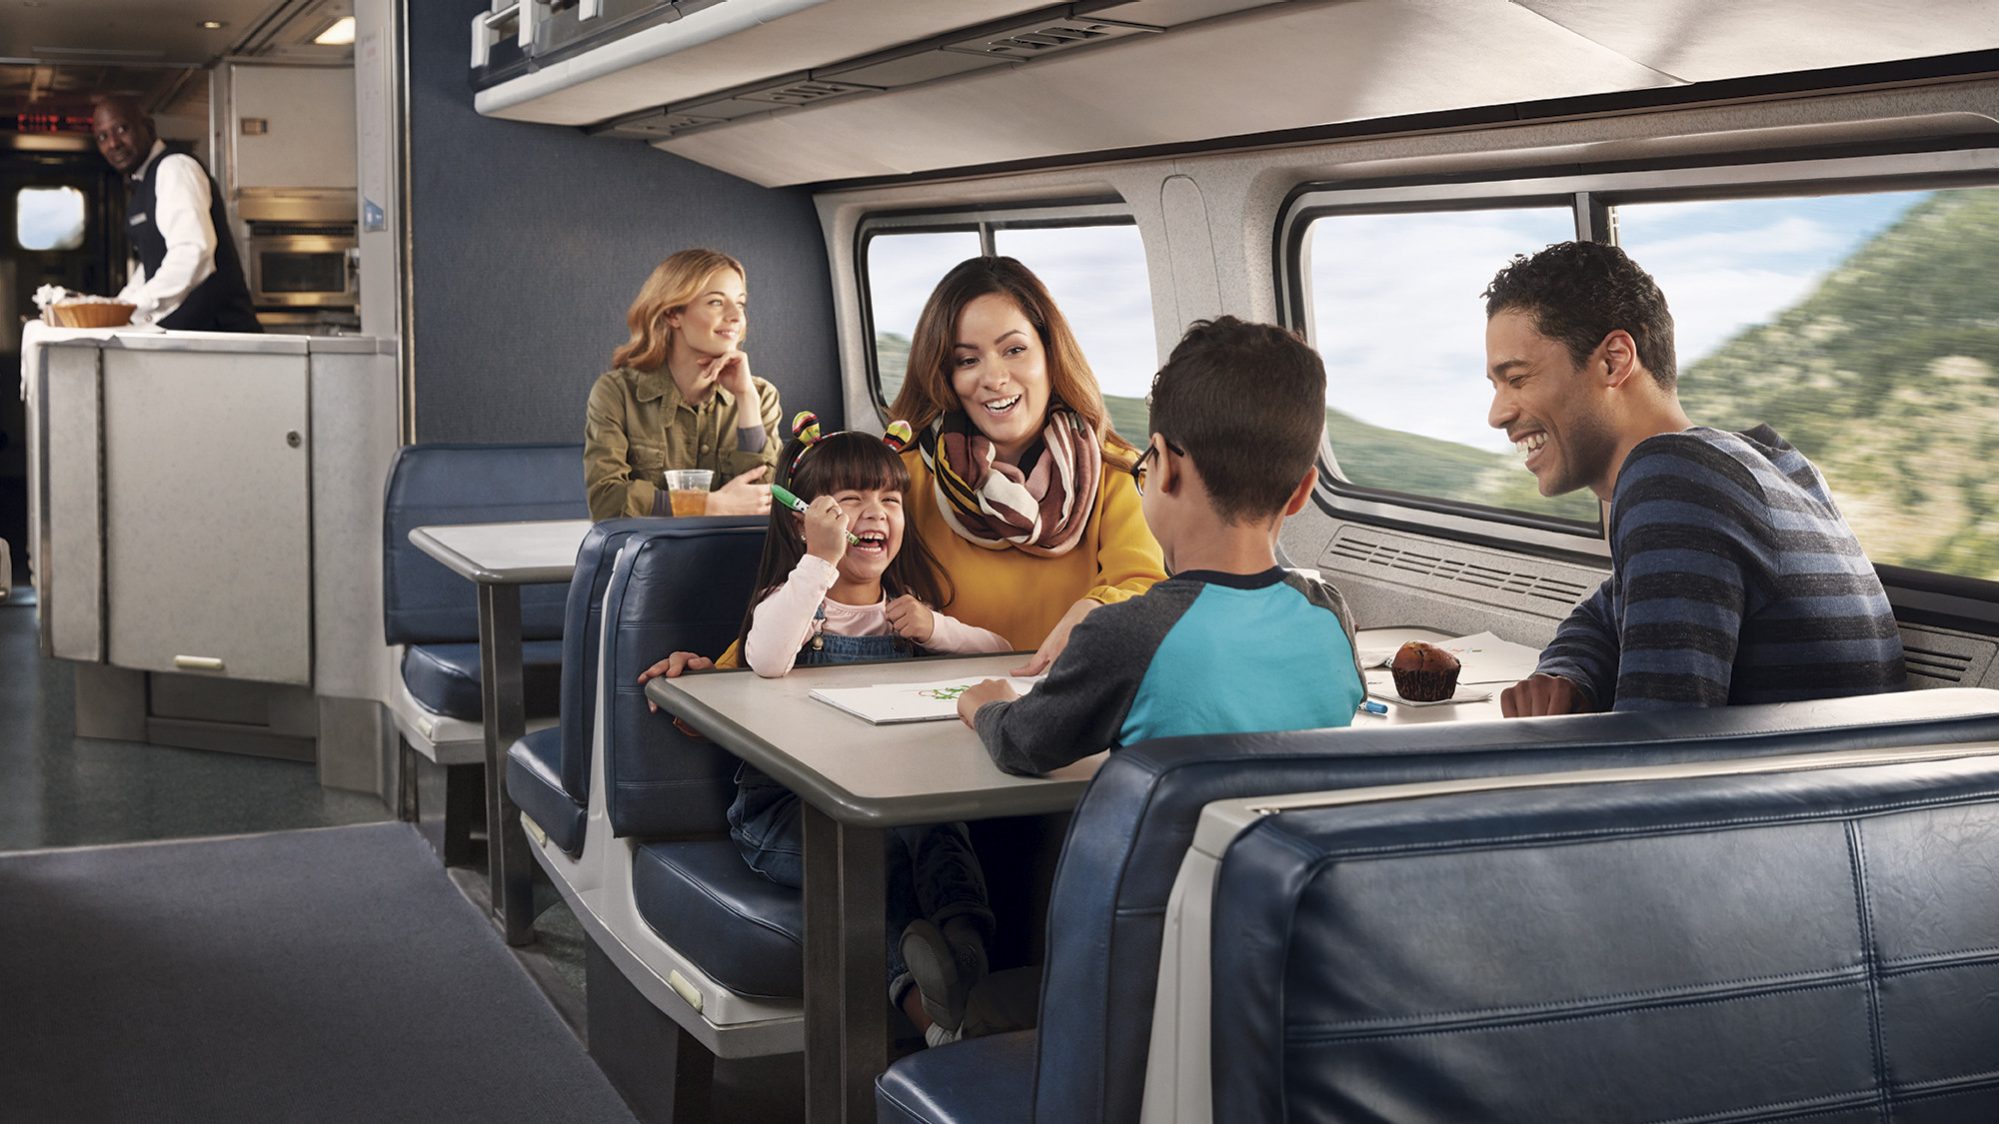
{"points": [[1019, 486]]}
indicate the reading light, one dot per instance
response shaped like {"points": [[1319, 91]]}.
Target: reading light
{"points": [[339, 33], [212, 25]]}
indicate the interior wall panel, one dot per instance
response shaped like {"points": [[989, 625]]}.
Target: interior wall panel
{"points": [[529, 241]]}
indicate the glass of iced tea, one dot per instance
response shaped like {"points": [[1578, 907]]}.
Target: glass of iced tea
{"points": [[687, 490]]}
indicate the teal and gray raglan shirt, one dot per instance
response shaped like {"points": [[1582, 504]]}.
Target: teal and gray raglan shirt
{"points": [[1203, 652]]}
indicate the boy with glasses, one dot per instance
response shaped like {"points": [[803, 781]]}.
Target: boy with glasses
{"points": [[1232, 642]]}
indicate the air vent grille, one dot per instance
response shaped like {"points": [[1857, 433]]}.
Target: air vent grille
{"points": [[811, 91], [1944, 667], [1042, 39], [1478, 572]]}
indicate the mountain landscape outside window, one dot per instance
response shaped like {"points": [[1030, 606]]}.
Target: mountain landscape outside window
{"points": [[1865, 329], [1397, 316]]}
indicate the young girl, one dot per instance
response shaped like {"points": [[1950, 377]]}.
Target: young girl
{"points": [[840, 583]]}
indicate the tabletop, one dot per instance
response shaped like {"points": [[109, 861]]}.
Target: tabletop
{"points": [[506, 553], [877, 776]]}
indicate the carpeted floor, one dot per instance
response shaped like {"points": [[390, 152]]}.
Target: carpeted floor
{"points": [[331, 974]]}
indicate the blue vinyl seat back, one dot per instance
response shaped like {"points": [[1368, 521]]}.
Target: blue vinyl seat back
{"points": [[1134, 824], [548, 772], [682, 589], [424, 603], [1806, 946]]}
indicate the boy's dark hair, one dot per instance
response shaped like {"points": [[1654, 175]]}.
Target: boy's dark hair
{"points": [[1248, 404], [1580, 292], [839, 462]]}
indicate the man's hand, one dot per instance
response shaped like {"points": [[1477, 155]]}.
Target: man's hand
{"points": [[911, 619], [1058, 638], [1542, 694], [990, 691], [673, 667], [743, 495]]}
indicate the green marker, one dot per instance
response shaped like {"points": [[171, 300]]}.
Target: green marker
{"points": [[778, 493]]}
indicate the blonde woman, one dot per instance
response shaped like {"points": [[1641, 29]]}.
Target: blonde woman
{"points": [[680, 395]]}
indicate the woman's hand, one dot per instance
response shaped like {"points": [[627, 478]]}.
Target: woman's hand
{"points": [[673, 667], [911, 619], [825, 529], [979, 694], [1058, 638], [742, 495], [732, 373]]}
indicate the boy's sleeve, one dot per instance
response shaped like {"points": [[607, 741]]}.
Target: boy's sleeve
{"points": [[1080, 708], [1584, 650], [1321, 592]]}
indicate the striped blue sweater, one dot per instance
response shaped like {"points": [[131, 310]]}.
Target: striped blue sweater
{"points": [[1733, 579]]}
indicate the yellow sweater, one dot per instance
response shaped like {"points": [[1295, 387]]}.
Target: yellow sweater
{"points": [[1021, 595]]}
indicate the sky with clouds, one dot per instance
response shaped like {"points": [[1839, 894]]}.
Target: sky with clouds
{"points": [[48, 218], [1095, 273], [1397, 313], [1395, 298]]}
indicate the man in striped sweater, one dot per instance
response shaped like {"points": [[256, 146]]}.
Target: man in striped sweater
{"points": [[1733, 577]]}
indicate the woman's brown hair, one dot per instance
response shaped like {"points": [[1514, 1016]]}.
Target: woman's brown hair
{"points": [[674, 282], [926, 389]]}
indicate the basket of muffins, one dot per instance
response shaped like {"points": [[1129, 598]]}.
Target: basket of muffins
{"points": [[1424, 673]]}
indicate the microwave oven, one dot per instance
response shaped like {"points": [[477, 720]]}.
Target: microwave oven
{"points": [[296, 265]]}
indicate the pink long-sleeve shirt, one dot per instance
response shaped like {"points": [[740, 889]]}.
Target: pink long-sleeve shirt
{"points": [[783, 621]]}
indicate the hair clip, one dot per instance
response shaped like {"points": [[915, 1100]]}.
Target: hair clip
{"points": [[898, 435]]}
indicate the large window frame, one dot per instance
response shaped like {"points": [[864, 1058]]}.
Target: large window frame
{"points": [[1591, 197], [986, 222]]}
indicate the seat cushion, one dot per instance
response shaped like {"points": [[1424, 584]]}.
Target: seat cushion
{"points": [[445, 677], [534, 780], [985, 1079], [744, 931]]}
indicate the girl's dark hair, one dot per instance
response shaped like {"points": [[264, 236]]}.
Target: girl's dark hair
{"points": [[845, 461]]}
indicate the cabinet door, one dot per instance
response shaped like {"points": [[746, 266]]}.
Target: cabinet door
{"points": [[207, 513]]}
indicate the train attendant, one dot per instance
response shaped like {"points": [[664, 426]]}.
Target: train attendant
{"points": [[680, 396], [188, 276], [1018, 484]]}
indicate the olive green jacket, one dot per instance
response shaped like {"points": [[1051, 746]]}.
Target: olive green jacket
{"points": [[637, 426]]}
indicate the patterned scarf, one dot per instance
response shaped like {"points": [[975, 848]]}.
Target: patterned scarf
{"points": [[995, 505]]}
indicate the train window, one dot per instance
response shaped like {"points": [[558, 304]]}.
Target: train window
{"points": [[900, 269], [49, 218], [1862, 328], [1394, 309], [1096, 273]]}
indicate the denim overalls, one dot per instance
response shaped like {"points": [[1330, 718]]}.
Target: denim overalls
{"points": [[932, 871]]}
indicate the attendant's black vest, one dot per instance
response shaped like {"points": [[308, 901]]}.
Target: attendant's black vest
{"points": [[221, 303]]}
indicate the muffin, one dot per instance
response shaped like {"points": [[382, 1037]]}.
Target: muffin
{"points": [[1425, 672]]}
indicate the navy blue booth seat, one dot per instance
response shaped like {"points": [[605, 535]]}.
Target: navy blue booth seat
{"points": [[692, 955], [1130, 833], [433, 614], [1797, 942]]}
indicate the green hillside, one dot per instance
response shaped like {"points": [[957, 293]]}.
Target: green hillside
{"points": [[1887, 376]]}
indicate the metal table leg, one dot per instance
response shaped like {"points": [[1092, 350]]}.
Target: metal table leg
{"points": [[503, 709], [846, 1002]]}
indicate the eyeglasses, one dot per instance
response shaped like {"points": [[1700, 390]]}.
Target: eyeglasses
{"points": [[1138, 466]]}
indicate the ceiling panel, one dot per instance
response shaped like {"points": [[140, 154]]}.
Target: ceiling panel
{"points": [[1283, 67], [138, 31], [1708, 40]]}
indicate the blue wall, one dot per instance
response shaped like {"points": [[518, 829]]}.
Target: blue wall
{"points": [[529, 241]]}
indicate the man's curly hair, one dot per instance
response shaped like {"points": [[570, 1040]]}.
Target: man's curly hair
{"points": [[1580, 292]]}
